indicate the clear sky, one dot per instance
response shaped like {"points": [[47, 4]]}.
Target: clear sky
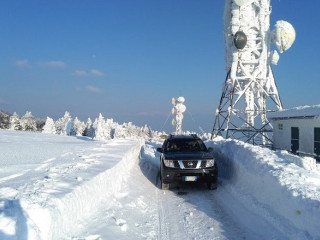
{"points": [[126, 59]]}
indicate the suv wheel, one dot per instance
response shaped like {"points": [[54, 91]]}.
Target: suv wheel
{"points": [[212, 185], [165, 186]]}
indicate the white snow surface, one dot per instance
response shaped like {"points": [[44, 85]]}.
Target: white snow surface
{"points": [[302, 111], [60, 187]]}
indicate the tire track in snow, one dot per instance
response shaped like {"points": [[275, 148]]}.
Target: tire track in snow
{"points": [[163, 231]]}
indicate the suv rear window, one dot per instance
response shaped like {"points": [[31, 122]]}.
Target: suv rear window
{"points": [[185, 145]]}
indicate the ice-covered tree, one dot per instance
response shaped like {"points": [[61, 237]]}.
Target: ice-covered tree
{"points": [[102, 131], [40, 124], [49, 126], [61, 124], [15, 122], [70, 129], [4, 120], [79, 126], [89, 130], [28, 122], [109, 128], [145, 132], [119, 131]]}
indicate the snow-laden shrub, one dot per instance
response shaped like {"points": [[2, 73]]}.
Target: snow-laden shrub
{"points": [[15, 122], [28, 122], [62, 124], [79, 127], [4, 120], [49, 126], [102, 129], [89, 130]]}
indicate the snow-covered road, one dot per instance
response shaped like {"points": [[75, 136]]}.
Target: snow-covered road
{"points": [[58, 187], [141, 210]]}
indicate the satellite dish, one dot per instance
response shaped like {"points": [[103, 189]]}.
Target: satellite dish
{"points": [[283, 35], [240, 40], [242, 2], [180, 99]]}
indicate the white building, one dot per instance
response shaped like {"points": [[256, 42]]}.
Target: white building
{"points": [[297, 130]]}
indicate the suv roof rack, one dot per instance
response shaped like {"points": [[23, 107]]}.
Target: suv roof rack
{"points": [[194, 135]]}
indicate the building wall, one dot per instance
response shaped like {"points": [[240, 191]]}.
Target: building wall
{"points": [[282, 137]]}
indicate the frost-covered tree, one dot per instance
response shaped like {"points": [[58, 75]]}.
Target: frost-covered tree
{"points": [[102, 130], [28, 122], [79, 127], [89, 130], [109, 128], [49, 126], [15, 122], [145, 132], [119, 131], [70, 130], [4, 120], [40, 124], [61, 124]]}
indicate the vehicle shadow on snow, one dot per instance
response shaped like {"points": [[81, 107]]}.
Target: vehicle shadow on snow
{"points": [[13, 212]]}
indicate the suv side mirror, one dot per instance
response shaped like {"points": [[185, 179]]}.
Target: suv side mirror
{"points": [[159, 150], [210, 149]]}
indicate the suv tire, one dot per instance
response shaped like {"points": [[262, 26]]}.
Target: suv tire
{"points": [[212, 185], [165, 186]]}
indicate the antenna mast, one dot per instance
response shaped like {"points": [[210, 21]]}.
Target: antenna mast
{"points": [[177, 111], [250, 85]]}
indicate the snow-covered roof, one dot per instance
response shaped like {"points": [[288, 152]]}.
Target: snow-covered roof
{"points": [[297, 112]]}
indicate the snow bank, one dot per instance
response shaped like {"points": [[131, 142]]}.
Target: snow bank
{"points": [[50, 184], [277, 185], [88, 197]]}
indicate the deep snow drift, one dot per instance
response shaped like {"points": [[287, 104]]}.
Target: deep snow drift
{"points": [[59, 187]]}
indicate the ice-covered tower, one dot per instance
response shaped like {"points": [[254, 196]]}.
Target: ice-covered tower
{"points": [[250, 91], [178, 109]]}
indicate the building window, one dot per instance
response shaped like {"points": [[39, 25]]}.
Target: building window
{"points": [[280, 126], [295, 139]]}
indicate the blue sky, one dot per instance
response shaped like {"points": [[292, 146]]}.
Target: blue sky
{"points": [[126, 59]]}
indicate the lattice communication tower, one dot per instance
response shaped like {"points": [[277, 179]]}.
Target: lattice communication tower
{"points": [[250, 92]]}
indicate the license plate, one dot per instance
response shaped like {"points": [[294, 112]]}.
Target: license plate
{"points": [[190, 178]]}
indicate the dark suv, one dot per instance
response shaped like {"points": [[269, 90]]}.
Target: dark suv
{"points": [[185, 158]]}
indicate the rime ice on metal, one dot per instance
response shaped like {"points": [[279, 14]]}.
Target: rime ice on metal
{"points": [[178, 109], [250, 84]]}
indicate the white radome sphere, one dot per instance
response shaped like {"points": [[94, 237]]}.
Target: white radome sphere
{"points": [[180, 108], [242, 2], [283, 35]]}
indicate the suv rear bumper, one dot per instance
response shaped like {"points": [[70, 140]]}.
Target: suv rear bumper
{"points": [[172, 175]]}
